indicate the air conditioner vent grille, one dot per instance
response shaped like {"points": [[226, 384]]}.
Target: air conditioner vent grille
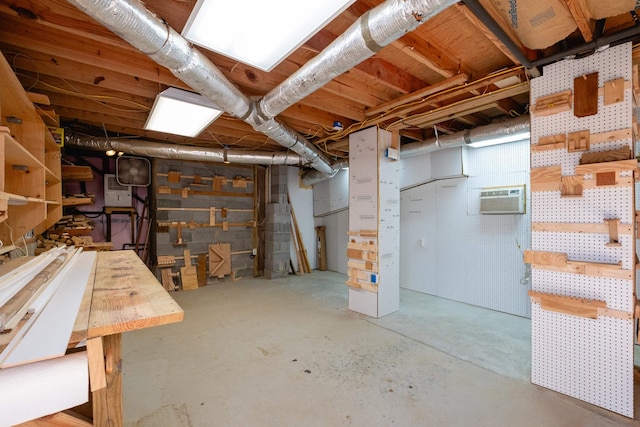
{"points": [[502, 200]]}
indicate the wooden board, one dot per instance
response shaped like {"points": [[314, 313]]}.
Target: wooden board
{"points": [[572, 186], [606, 178], [606, 156], [52, 325], [202, 270], [568, 305], [578, 141], [621, 165], [188, 273], [546, 178], [561, 227], [127, 296], [552, 104], [219, 259], [614, 135], [614, 91], [585, 98], [545, 258]]}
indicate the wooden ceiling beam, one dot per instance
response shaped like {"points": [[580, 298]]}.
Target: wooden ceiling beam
{"points": [[457, 80], [428, 55], [383, 71], [19, 32], [480, 26], [464, 107], [584, 24]]}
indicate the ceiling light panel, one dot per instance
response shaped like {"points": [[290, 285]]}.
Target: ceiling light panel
{"points": [[180, 112], [257, 32]]}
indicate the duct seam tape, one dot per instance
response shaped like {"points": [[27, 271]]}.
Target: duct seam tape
{"points": [[43, 388]]}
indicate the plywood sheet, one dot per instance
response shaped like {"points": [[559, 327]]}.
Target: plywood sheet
{"points": [[219, 259]]}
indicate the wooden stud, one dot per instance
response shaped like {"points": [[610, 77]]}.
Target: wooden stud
{"points": [[614, 135], [223, 212], [185, 192], [217, 183], [225, 225], [613, 232], [202, 270], [97, 369], [164, 189], [578, 141], [167, 279], [614, 91], [636, 85], [188, 273], [212, 216], [585, 98], [566, 227]]}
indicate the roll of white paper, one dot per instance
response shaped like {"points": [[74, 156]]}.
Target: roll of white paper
{"points": [[43, 388]]}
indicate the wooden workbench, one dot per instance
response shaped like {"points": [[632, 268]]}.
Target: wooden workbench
{"points": [[124, 296]]}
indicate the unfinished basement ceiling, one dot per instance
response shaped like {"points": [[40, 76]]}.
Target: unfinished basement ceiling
{"points": [[451, 73]]}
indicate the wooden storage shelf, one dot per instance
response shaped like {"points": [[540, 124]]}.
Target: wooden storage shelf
{"points": [[30, 184]]}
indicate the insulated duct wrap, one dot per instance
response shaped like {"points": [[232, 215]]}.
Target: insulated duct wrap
{"points": [[517, 126], [158, 150], [152, 36], [295, 142], [375, 29], [314, 176]]}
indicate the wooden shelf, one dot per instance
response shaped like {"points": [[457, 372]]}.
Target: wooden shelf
{"points": [[30, 184]]}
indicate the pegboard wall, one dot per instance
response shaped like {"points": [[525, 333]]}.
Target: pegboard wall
{"points": [[589, 359]]}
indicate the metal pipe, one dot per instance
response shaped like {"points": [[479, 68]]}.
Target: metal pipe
{"points": [[152, 36], [371, 32], [510, 128], [136, 147]]}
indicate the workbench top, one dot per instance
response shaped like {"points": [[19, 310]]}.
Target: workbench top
{"points": [[127, 296]]}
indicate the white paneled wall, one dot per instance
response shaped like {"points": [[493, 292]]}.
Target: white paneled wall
{"points": [[446, 247]]}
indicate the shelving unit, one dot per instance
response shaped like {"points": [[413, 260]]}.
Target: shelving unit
{"points": [[30, 184]]}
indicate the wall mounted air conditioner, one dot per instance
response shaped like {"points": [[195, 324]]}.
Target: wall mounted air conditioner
{"points": [[116, 195], [503, 200]]}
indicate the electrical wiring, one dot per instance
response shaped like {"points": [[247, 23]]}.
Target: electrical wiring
{"points": [[24, 251]]}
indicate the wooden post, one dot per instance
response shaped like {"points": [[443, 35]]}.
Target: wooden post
{"points": [[107, 402], [322, 248]]}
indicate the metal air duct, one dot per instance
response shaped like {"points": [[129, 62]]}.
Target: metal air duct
{"points": [[371, 32], [152, 36], [136, 147], [513, 127]]}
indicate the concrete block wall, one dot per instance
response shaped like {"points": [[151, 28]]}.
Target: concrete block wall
{"points": [[197, 240], [278, 231]]}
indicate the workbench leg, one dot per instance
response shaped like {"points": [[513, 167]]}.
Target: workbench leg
{"points": [[107, 402]]}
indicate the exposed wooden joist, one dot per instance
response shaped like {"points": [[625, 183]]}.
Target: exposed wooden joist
{"points": [[583, 23], [473, 19]]}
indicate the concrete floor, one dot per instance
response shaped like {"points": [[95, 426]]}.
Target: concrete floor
{"points": [[288, 353]]}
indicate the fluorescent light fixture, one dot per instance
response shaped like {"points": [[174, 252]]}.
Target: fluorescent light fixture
{"points": [[181, 112], [257, 32], [500, 140]]}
